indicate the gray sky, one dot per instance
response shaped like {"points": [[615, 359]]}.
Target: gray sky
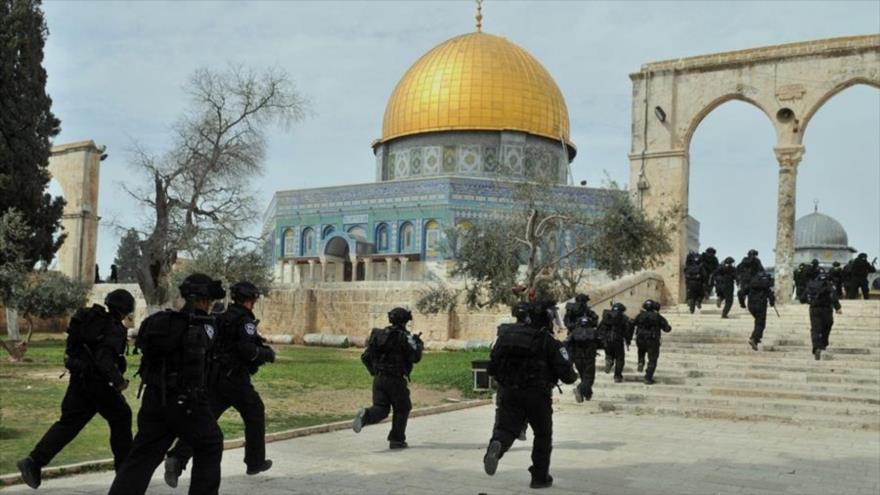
{"points": [[116, 70]]}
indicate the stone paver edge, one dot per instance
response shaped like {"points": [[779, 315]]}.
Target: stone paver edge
{"points": [[107, 464]]}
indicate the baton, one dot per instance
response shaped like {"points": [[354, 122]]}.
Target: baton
{"points": [[777, 311]]}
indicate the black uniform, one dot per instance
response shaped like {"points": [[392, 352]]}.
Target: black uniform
{"points": [[175, 403], [238, 352], [574, 311], [390, 355], [527, 361], [710, 264], [800, 282], [95, 357], [760, 294], [723, 279], [835, 275], [822, 298], [811, 271], [859, 275], [648, 325], [695, 281], [582, 344], [617, 330], [745, 272]]}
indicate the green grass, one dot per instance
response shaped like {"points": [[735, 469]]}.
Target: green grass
{"points": [[303, 387]]}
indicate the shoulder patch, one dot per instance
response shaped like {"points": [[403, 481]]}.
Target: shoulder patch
{"points": [[564, 353], [209, 329], [250, 328]]}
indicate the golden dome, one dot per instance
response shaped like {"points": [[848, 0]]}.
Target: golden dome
{"points": [[477, 81]]}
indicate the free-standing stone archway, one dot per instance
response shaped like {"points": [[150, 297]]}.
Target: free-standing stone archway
{"points": [[77, 168], [788, 83]]}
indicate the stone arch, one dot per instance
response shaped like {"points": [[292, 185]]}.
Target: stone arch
{"points": [[787, 82], [77, 168], [839, 88], [288, 242], [710, 107]]}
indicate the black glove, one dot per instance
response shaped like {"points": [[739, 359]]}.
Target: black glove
{"points": [[267, 355]]}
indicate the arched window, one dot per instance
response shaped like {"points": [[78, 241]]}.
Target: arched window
{"points": [[382, 237], [407, 239], [327, 232], [358, 233], [432, 239], [308, 242], [289, 246]]}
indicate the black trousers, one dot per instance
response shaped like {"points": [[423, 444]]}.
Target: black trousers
{"points": [[863, 286], [532, 405], [651, 349], [236, 392], [694, 295], [821, 321], [725, 294], [158, 426], [742, 293], [584, 359], [390, 392], [85, 397], [615, 354], [759, 313]]}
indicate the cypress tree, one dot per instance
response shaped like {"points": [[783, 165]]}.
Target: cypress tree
{"points": [[26, 127], [128, 255]]}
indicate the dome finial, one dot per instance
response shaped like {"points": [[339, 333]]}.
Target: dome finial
{"points": [[815, 206], [479, 16]]}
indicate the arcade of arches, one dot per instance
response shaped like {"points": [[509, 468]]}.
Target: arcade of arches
{"points": [[788, 83]]}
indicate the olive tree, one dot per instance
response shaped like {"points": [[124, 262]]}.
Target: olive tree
{"points": [[201, 185]]}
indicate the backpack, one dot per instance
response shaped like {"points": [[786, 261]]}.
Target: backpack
{"points": [[83, 333], [817, 295], [383, 352], [161, 347], [517, 359], [582, 335]]}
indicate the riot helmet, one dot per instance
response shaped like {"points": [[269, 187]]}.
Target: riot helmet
{"points": [[201, 286], [651, 305], [618, 307], [121, 302], [822, 276], [244, 291], [729, 260], [836, 264], [753, 252], [520, 311], [582, 299], [815, 262], [399, 316], [802, 266], [543, 314], [765, 276], [863, 256], [710, 250]]}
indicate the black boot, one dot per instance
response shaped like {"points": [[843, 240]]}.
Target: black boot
{"points": [[545, 482], [30, 472], [753, 344], [173, 470], [259, 468], [490, 460]]}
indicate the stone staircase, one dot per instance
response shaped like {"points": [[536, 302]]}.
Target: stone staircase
{"points": [[707, 369]]}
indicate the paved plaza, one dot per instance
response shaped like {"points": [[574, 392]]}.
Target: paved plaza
{"points": [[593, 454]]}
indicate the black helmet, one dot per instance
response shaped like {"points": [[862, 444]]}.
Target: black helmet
{"points": [[802, 265], [201, 286], [765, 276], [753, 252], [729, 260], [835, 264], [815, 262], [542, 314], [651, 304], [121, 301], [244, 291], [520, 311], [822, 276], [582, 298], [710, 250], [863, 256], [399, 316], [619, 307]]}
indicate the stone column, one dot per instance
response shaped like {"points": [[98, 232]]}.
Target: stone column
{"points": [[311, 270], [288, 272], [340, 271], [788, 157], [368, 269], [297, 274], [402, 261], [323, 270], [388, 261]]}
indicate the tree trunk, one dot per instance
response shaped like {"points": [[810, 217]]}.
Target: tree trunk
{"points": [[12, 324]]}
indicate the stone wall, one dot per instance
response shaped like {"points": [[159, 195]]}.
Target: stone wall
{"points": [[354, 308]]}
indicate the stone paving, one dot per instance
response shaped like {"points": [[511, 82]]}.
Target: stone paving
{"points": [[593, 454]]}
